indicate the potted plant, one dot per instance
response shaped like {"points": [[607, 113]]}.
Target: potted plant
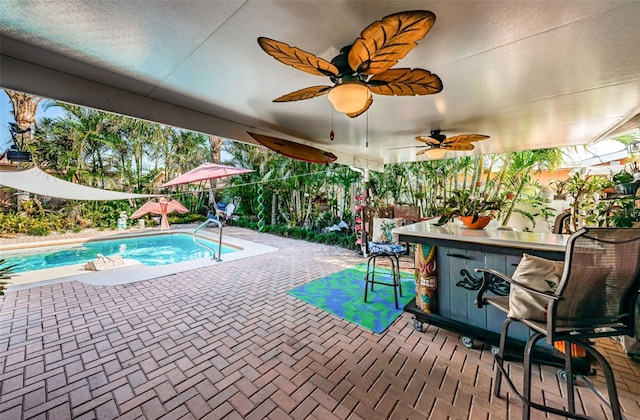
{"points": [[624, 184], [475, 210], [622, 177], [634, 169], [621, 212], [560, 190], [609, 188]]}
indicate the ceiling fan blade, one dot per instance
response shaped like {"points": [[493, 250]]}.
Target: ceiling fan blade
{"points": [[386, 41], [363, 110], [427, 140], [297, 58], [306, 93], [405, 82], [465, 138], [423, 151], [294, 150], [458, 146]]}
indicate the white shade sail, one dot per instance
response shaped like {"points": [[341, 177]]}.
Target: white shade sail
{"points": [[38, 182]]}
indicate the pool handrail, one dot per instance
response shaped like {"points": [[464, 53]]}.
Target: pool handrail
{"points": [[206, 222]]}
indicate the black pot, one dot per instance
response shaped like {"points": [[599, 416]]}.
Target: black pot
{"points": [[627, 188]]}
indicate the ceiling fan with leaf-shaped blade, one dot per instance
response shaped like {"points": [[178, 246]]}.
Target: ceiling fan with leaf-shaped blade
{"points": [[437, 144], [365, 66]]}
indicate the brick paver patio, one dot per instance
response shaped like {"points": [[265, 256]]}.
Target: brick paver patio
{"points": [[227, 342]]}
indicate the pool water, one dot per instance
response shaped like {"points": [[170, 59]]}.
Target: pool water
{"points": [[149, 250]]}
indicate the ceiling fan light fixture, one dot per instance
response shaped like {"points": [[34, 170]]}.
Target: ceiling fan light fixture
{"points": [[436, 153], [349, 97]]}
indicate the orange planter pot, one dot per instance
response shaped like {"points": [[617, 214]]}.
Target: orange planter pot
{"points": [[481, 223]]}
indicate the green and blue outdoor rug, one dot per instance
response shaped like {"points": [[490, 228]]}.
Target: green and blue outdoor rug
{"points": [[342, 294]]}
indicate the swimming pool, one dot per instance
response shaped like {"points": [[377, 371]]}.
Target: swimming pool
{"points": [[150, 250]]}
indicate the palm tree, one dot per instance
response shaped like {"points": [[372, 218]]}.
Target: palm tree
{"points": [[53, 149], [245, 186], [24, 107], [519, 171], [343, 177], [136, 137], [87, 137], [189, 149]]}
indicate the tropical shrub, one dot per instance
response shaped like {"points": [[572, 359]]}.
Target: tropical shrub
{"points": [[344, 239], [5, 274], [39, 225], [100, 214], [186, 218]]}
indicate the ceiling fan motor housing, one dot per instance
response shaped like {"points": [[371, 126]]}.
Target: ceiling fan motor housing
{"points": [[435, 134], [345, 72]]}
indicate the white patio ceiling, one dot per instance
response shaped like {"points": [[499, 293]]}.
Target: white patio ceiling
{"points": [[530, 74]]}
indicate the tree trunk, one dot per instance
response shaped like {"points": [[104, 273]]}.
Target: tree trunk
{"points": [[477, 175], [489, 171], [512, 207], [215, 144], [274, 209], [503, 173], [297, 212], [305, 221]]}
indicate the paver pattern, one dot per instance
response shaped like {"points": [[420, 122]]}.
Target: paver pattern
{"points": [[227, 342]]}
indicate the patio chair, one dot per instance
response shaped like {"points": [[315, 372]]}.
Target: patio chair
{"points": [[228, 216], [561, 222], [594, 297], [408, 214], [217, 211], [224, 214]]}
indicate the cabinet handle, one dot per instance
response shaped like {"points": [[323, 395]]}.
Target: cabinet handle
{"points": [[514, 264], [464, 257]]}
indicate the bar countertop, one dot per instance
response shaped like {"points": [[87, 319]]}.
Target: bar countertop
{"points": [[456, 232]]}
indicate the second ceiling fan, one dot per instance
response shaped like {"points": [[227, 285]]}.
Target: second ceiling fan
{"points": [[365, 66], [437, 144]]}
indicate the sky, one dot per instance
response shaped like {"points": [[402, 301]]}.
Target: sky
{"points": [[6, 117]]}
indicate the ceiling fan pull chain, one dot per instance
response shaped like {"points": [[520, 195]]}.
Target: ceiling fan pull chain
{"points": [[331, 134], [367, 135]]}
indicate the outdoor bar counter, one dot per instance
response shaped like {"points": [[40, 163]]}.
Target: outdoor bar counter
{"points": [[458, 250]]}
